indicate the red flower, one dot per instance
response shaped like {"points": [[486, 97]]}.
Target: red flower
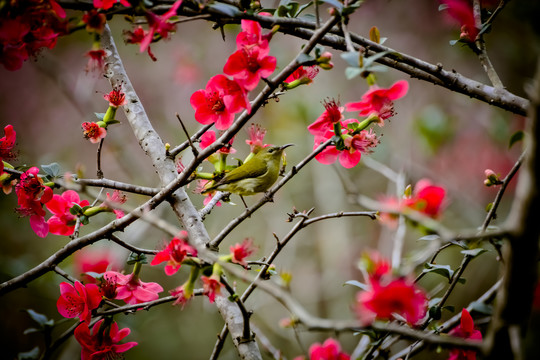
{"points": [[31, 195], [182, 296], [107, 4], [116, 97], [63, 222], [248, 65], [329, 350], [96, 61], [209, 137], [218, 103], [211, 287], [465, 330], [201, 186], [397, 296], [241, 251], [302, 75], [94, 20], [131, 289], [7, 142], [332, 114], [426, 198], [462, 12], [256, 137], [160, 25], [136, 37], [113, 201], [174, 254], [379, 101], [78, 301], [375, 265], [93, 132], [102, 342], [251, 36], [92, 261]]}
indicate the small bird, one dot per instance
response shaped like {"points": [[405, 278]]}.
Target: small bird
{"points": [[255, 175]]}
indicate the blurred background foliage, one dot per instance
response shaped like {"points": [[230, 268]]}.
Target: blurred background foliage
{"points": [[446, 137]]}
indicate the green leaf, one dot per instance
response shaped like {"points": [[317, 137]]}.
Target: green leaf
{"points": [[443, 270], [435, 312], [368, 61], [462, 280], [357, 284], [135, 258], [489, 207], [40, 319], [481, 307], [52, 170], [430, 238], [351, 58], [29, 355], [517, 136], [473, 252], [450, 308], [225, 9], [453, 42], [76, 209], [352, 72], [303, 7], [305, 58], [100, 116], [334, 3], [113, 121]]}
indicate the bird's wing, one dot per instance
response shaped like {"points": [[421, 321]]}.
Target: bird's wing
{"points": [[258, 168]]}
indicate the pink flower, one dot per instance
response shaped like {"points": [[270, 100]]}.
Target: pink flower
{"points": [[332, 114], [63, 221], [131, 289], [380, 101], [78, 301], [302, 75], [201, 185], [7, 142], [384, 299], [94, 20], [107, 4], [218, 103], [248, 65], [92, 261], [465, 330], [182, 295], [329, 350], [113, 201], [427, 198], [375, 265], [116, 97], [209, 137], [256, 136], [136, 37], [462, 12], [241, 251], [96, 61], [160, 25], [211, 287], [31, 195], [102, 342], [251, 36], [93, 132], [174, 254]]}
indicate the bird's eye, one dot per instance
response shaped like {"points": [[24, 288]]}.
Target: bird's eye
{"points": [[271, 150]]}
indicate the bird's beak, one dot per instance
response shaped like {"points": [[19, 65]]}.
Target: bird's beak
{"points": [[285, 146]]}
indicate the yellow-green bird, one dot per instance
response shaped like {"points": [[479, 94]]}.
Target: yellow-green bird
{"points": [[255, 175]]}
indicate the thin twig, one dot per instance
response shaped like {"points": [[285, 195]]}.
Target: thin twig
{"points": [[193, 148]]}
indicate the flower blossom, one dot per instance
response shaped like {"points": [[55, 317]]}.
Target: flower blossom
{"points": [[384, 298], [131, 289], [333, 113], [256, 136], [95, 21], [465, 330], [174, 254], [78, 301], [426, 198], [211, 287], [379, 101], [96, 60], [201, 187], [113, 201], [209, 137], [219, 101], [182, 294], [354, 145], [63, 221], [240, 252], [303, 75], [251, 35], [31, 195], [7, 142], [160, 25], [87, 263], [248, 65], [107, 4], [93, 132], [136, 37], [102, 341], [462, 12], [116, 97], [329, 350]]}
